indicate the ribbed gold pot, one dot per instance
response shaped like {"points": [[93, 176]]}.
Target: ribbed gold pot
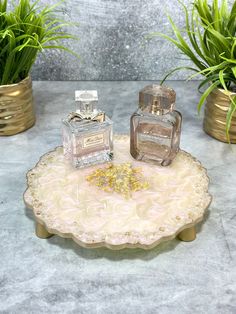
{"points": [[216, 108], [16, 107]]}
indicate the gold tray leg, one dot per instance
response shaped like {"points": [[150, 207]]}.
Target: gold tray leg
{"points": [[41, 232], [187, 235]]}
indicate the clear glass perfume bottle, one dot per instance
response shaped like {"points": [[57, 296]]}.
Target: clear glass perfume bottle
{"points": [[87, 133], [155, 127]]}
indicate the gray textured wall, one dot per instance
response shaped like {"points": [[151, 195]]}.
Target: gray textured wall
{"points": [[112, 42]]}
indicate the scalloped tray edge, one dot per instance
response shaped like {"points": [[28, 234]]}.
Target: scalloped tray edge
{"points": [[104, 243]]}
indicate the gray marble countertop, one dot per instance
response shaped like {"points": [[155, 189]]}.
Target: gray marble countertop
{"points": [[58, 276]]}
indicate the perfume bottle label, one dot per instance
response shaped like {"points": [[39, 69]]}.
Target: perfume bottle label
{"points": [[155, 139], [93, 140]]}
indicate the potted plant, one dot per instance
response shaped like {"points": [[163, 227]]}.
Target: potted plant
{"points": [[210, 29], [25, 31]]}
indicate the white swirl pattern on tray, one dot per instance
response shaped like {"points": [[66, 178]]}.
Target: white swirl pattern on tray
{"points": [[68, 205]]}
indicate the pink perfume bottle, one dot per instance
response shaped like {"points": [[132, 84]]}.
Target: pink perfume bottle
{"points": [[87, 132], [155, 127]]}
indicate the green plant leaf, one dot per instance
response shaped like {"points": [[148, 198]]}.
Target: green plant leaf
{"points": [[229, 60], [221, 78], [206, 94], [230, 114], [3, 6], [62, 48], [234, 71], [175, 70]]}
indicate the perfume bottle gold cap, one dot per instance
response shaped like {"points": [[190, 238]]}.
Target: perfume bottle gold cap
{"points": [[157, 99]]}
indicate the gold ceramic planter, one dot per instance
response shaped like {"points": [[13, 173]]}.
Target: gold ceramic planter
{"points": [[217, 106], [16, 107]]}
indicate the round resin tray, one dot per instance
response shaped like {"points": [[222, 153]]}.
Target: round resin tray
{"points": [[65, 203]]}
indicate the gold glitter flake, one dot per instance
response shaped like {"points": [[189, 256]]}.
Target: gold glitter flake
{"points": [[120, 178]]}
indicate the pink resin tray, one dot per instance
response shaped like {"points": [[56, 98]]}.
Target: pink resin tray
{"points": [[66, 204]]}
